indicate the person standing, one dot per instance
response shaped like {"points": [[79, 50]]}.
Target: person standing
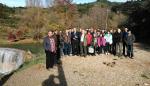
{"points": [[130, 40], [125, 34], [114, 50], [67, 42], [75, 40], [94, 43], [50, 50], [89, 39], [119, 43], [69, 34], [99, 43], [83, 44], [57, 39], [108, 38], [61, 43]]}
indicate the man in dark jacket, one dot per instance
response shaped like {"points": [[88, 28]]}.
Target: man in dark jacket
{"points": [[50, 50], [57, 39], [119, 43], [75, 40], [130, 40], [125, 34], [114, 35]]}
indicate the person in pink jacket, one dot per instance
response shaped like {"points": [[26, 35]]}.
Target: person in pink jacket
{"points": [[101, 43]]}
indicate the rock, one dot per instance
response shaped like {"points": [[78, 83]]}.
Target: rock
{"points": [[113, 62], [10, 60], [104, 62], [115, 59], [110, 64], [146, 74], [41, 66], [137, 84], [146, 84], [75, 71], [28, 55]]}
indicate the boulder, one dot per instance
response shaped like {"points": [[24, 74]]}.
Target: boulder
{"points": [[10, 60]]}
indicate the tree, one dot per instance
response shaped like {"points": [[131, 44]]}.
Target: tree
{"points": [[66, 11], [34, 18], [139, 19], [98, 16]]}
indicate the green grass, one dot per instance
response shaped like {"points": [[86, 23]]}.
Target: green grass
{"points": [[35, 48]]}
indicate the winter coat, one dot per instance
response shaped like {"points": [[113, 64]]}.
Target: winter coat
{"points": [[89, 39], [101, 41], [130, 39], [108, 38]]}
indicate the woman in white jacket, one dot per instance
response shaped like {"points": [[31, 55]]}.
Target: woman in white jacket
{"points": [[109, 41]]}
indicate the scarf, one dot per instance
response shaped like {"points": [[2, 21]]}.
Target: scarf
{"points": [[52, 43]]}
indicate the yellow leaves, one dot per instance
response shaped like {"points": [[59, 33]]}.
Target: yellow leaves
{"points": [[54, 26]]}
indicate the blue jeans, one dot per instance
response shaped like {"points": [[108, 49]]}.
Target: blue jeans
{"points": [[130, 50], [67, 49]]}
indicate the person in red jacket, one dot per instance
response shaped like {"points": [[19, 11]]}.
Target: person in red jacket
{"points": [[89, 40]]}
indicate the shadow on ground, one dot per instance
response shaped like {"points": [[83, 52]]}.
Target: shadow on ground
{"points": [[4, 79], [51, 81], [141, 46]]}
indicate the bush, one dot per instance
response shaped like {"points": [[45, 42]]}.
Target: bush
{"points": [[11, 36], [37, 36]]}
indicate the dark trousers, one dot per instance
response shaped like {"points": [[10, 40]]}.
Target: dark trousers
{"points": [[58, 56], [114, 50], [130, 50], [75, 47], [67, 48], [99, 49], [119, 48], [83, 50], [124, 48], [50, 59], [108, 48]]}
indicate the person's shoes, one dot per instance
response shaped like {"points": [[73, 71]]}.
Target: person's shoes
{"points": [[125, 56], [78, 54], [131, 57], [94, 55], [84, 56], [81, 55], [50, 69]]}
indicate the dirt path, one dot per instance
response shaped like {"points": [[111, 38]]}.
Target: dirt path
{"points": [[99, 70]]}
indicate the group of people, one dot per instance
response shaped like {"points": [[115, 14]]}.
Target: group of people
{"points": [[87, 42]]}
